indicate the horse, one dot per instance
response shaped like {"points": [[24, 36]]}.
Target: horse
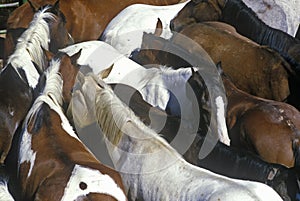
{"points": [[237, 14], [147, 162], [233, 162], [265, 73], [86, 19], [285, 13], [124, 32], [268, 128], [20, 75], [4, 192], [48, 140]]}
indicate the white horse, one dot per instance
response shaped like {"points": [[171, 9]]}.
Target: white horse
{"points": [[125, 31], [151, 169], [279, 14]]}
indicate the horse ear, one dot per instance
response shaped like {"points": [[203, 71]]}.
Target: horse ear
{"points": [[56, 5], [75, 57], [105, 73], [49, 55], [219, 68], [33, 6], [158, 29], [193, 71]]}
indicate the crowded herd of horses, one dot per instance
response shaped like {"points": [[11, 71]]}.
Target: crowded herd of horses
{"points": [[193, 100]]}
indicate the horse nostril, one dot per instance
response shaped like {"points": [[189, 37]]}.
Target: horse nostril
{"points": [[82, 186]]}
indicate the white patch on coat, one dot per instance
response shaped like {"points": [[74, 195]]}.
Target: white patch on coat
{"points": [[26, 153], [221, 120], [4, 193], [95, 181]]}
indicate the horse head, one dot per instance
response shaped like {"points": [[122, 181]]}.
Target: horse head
{"points": [[197, 87], [59, 35], [198, 11]]}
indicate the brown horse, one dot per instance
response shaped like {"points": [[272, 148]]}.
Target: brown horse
{"points": [[53, 163], [20, 76], [256, 69], [86, 19], [268, 128]]}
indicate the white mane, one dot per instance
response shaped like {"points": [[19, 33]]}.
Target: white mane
{"points": [[29, 46], [52, 96], [113, 114]]}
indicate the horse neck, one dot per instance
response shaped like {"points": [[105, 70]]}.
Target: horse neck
{"points": [[123, 129]]}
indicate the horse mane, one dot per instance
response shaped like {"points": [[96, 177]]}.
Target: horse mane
{"points": [[112, 114], [238, 14], [32, 41], [52, 96]]}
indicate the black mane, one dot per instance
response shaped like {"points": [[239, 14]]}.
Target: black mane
{"points": [[247, 23]]}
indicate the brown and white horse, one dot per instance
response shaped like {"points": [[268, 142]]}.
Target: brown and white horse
{"points": [[53, 163], [20, 76]]}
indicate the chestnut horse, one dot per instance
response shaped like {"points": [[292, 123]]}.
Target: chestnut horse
{"points": [[86, 19], [20, 76], [53, 163], [268, 128], [253, 68]]}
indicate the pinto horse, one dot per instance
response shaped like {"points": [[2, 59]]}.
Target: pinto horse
{"points": [[48, 140], [149, 163], [268, 128], [20, 76], [86, 19]]}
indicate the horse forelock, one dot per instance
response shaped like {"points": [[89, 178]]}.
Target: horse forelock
{"points": [[31, 42]]}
